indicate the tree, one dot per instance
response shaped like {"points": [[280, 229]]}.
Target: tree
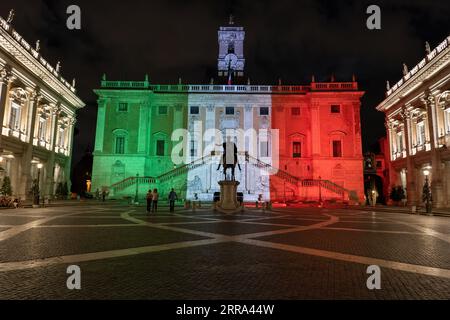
{"points": [[6, 188], [59, 190], [397, 194], [65, 190]]}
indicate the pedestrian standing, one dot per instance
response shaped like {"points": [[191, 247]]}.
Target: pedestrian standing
{"points": [[149, 200], [172, 198], [155, 200], [103, 195]]}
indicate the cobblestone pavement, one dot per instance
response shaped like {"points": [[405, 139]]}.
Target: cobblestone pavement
{"points": [[306, 253]]}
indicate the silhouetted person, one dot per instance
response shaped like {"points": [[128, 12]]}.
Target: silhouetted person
{"points": [[103, 195], [172, 198], [149, 200], [155, 200]]}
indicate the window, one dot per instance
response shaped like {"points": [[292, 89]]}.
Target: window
{"points": [[337, 149], [264, 111], [399, 142], [162, 110], [264, 148], [231, 47], [296, 149], [447, 120], [123, 107], [14, 120], [193, 149], [42, 128], [195, 110], [160, 144], [335, 108], [295, 111], [120, 145], [421, 134], [62, 134], [229, 110]]}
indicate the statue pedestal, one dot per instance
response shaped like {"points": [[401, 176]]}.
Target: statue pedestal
{"points": [[228, 197]]}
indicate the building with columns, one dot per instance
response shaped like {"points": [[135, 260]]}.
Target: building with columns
{"points": [[295, 142], [417, 112], [37, 113]]}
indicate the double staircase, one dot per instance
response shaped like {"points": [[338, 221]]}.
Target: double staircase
{"points": [[303, 189]]}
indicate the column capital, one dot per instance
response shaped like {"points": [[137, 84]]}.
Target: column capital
{"points": [[6, 75], [389, 125], [428, 99], [405, 114]]}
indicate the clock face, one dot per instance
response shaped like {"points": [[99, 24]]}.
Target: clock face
{"points": [[231, 60]]}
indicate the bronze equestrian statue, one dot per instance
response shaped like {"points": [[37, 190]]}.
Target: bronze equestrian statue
{"points": [[226, 165]]}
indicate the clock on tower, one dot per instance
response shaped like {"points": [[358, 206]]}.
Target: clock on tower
{"points": [[231, 50]]}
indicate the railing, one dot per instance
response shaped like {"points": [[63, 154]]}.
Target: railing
{"points": [[429, 58], [212, 88], [184, 169], [122, 185], [277, 172], [334, 86]]}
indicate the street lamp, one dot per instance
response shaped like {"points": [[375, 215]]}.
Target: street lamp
{"points": [[137, 188], [39, 166], [426, 193]]}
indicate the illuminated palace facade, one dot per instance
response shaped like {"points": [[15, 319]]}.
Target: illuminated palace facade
{"points": [[300, 142], [37, 116], [417, 112]]}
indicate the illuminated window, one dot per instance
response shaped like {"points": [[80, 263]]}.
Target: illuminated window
{"points": [[162, 110], [123, 107], [14, 119], [447, 120], [195, 110], [62, 134], [296, 149], [295, 111], [264, 111], [399, 142], [421, 134], [335, 108], [264, 148], [337, 149], [193, 149], [42, 128], [229, 110], [160, 144], [120, 145]]}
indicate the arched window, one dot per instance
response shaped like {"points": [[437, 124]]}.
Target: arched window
{"points": [[18, 97]]}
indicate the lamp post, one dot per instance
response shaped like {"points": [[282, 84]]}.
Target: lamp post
{"points": [[426, 193], [137, 188], [39, 166]]}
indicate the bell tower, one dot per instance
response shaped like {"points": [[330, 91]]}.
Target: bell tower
{"points": [[231, 62]]}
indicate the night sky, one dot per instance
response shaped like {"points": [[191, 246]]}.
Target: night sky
{"points": [[290, 40]]}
